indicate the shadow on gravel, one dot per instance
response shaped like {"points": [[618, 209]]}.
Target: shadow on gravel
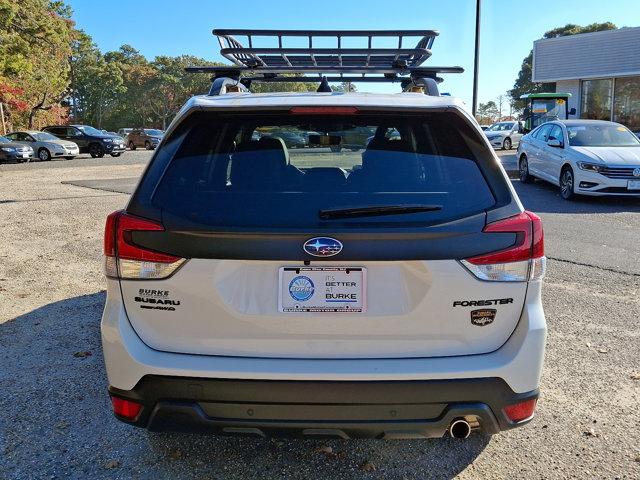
{"points": [[545, 198], [56, 421], [119, 185]]}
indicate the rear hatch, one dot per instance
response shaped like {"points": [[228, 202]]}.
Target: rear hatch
{"points": [[263, 237]]}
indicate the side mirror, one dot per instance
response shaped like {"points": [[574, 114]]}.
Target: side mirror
{"points": [[554, 142], [572, 111]]}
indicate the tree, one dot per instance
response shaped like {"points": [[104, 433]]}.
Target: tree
{"points": [[345, 87], [523, 83], [95, 83], [131, 108], [487, 112], [264, 87], [171, 86], [500, 103], [34, 50]]}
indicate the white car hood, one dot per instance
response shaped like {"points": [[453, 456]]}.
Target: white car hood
{"points": [[491, 135], [612, 155]]}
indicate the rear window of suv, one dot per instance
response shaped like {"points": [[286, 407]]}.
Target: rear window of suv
{"points": [[288, 171]]}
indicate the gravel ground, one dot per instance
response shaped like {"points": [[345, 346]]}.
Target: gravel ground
{"points": [[55, 419]]}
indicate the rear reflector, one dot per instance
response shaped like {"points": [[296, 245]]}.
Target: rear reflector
{"points": [[519, 412], [523, 261], [323, 111], [126, 408], [125, 259]]}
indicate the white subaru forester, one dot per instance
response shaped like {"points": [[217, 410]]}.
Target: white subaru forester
{"points": [[387, 290]]}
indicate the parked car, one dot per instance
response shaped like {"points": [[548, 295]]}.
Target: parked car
{"points": [[257, 289], [89, 140], [354, 139], [290, 139], [10, 150], [148, 138], [585, 157], [118, 138], [505, 135], [123, 132], [45, 145]]}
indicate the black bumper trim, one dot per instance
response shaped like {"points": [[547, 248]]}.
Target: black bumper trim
{"points": [[350, 409]]}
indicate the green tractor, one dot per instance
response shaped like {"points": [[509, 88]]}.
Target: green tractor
{"points": [[545, 107]]}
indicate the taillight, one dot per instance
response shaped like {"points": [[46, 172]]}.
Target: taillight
{"points": [[125, 259], [127, 409], [519, 412], [521, 262]]}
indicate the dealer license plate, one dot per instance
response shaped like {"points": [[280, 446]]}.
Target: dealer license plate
{"points": [[322, 290], [633, 185]]}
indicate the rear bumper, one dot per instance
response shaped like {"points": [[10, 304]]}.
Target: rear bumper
{"points": [[396, 409], [518, 362]]}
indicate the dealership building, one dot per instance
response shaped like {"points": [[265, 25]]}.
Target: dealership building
{"points": [[601, 71]]}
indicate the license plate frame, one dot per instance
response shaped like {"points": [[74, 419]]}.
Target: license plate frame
{"points": [[313, 284], [633, 185]]}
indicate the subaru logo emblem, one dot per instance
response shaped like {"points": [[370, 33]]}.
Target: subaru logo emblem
{"points": [[636, 172], [322, 247]]}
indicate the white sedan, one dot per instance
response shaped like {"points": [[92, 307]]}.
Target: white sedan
{"points": [[586, 157], [505, 135]]}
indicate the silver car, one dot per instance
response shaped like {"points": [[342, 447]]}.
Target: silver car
{"points": [[505, 135], [45, 145], [585, 157], [13, 151], [123, 132]]}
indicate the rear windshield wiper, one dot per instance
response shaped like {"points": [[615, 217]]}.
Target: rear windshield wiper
{"points": [[376, 211]]}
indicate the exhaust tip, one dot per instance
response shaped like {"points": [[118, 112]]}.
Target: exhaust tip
{"points": [[460, 428]]}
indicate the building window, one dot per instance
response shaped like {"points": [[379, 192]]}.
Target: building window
{"points": [[596, 99], [626, 104]]}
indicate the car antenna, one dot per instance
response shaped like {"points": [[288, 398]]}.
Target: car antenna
{"points": [[324, 86]]}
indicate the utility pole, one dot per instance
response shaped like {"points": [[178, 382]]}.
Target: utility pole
{"points": [[476, 59]]}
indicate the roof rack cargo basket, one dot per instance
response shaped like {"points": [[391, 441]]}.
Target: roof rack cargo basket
{"points": [[306, 62]]}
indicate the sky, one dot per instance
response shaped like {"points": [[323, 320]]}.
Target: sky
{"points": [[508, 28]]}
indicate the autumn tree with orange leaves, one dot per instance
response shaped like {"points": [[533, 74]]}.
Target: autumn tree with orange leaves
{"points": [[35, 45]]}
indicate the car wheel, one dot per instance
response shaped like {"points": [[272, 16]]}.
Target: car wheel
{"points": [[147, 145], [523, 169], [115, 154], [567, 184], [506, 145], [69, 158], [96, 150], [132, 146], [44, 155]]}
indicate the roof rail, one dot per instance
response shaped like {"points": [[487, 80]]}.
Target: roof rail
{"points": [[333, 64]]}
